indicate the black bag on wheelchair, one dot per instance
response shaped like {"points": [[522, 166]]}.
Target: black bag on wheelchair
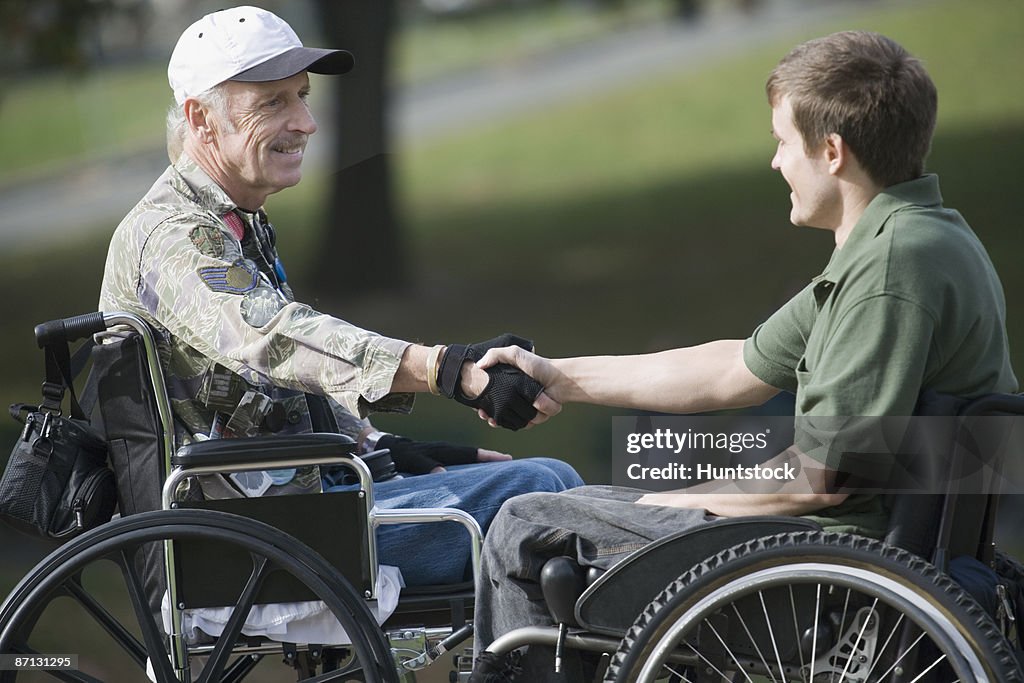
{"points": [[57, 483]]}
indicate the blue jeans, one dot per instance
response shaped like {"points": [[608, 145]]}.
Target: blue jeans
{"points": [[439, 553]]}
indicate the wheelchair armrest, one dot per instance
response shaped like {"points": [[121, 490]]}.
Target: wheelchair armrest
{"points": [[263, 449], [610, 604]]}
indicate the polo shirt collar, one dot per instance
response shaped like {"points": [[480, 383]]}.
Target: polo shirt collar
{"points": [[203, 190], [923, 191]]}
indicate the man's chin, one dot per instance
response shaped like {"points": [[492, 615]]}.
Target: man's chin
{"points": [[288, 180]]}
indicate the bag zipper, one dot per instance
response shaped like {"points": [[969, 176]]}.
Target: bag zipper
{"points": [[78, 504]]}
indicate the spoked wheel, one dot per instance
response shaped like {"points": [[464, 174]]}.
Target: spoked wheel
{"points": [[89, 597], [814, 607]]}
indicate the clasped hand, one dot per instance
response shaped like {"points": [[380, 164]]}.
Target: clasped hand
{"points": [[521, 359], [509, 398]]}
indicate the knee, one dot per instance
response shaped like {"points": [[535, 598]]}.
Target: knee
{"points": [[545, 474], [524, 506], [565, 472]]}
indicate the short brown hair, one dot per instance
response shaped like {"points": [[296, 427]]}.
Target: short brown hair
{"points": [[870, 91]]}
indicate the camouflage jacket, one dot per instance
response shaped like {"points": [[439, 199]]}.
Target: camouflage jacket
{"points": [[234, 344]]}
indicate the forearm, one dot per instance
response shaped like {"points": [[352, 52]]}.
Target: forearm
{"points": [[693, 379], [809, 488], [746, 504]]}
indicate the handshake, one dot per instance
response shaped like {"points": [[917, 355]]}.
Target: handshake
{"points": [[510, 398]]}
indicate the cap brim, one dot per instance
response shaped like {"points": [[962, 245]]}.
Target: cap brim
{"points": [[286, 64]]}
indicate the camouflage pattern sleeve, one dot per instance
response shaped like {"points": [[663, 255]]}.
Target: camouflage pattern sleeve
{"points": [[202, 289], [348, 424]]}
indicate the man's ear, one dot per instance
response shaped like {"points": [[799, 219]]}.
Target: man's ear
{"points": [[198, 117], [836, 153]]}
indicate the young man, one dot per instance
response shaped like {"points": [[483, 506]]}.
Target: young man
{"points": [[908, 302], [196, 259]]}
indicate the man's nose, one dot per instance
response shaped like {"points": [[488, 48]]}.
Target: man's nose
{"points": [[303, 120]]}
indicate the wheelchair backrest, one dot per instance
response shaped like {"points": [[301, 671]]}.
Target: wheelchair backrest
{"points": [[941, 526], [126, 405]]}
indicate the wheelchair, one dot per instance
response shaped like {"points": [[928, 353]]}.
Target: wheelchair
{"points": [[755, 599], [169, 559]]}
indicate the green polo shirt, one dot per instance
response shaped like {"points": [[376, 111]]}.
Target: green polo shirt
{"points": [[910, 302]]}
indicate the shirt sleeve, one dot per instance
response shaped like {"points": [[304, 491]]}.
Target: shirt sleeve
{"points": [[775, 348], [217, 302]]}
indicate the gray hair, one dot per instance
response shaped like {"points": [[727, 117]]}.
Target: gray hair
{"points": [[215, 99]]}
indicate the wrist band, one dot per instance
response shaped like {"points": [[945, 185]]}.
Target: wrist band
{"points": [[432, 358]]}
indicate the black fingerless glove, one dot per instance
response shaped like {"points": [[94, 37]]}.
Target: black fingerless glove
{"points": [[509, 394], [421, 457]]}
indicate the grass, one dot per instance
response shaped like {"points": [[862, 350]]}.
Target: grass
{"points": [[52, 121], [432, 47], [49, 122]]}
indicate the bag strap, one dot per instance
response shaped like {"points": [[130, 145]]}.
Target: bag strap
{"points": [[61, 369]]}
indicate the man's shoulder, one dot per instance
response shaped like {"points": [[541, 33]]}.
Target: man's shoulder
{"points": [[168, 205], [931, 244]]}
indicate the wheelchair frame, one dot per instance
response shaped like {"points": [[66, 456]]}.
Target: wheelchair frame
{"points": [[177, 466]]}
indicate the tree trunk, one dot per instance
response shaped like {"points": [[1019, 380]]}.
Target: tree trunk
{"points": [[360, 248]]}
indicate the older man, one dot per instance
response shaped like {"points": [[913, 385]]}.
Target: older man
{"points": [[196, 259], [908, 302]]}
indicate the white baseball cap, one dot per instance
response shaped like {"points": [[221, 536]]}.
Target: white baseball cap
{"points": [[244, 44]]}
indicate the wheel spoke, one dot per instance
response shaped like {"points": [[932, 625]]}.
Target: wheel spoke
{"points": [[900, 658], [104, 618], [842, 623], [728, 650], [771, 635], [150, 632], [681, 677], [753, 641], [796, 628], [878, 655], [930, 667], [222, 653], [859, 640], [814, 633], [340, 675], [709, 663]]}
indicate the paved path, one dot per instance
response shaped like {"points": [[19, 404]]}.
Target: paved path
{"points": [[101, 192]]}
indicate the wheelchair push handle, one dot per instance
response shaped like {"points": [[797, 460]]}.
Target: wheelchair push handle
{"points": [[69, 329]]}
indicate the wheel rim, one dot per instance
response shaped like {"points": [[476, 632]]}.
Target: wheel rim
{"points": [[59, 575], [955, 650]]}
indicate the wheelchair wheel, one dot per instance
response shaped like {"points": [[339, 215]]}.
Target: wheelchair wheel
{"points": [[814, 607], [59, 606]]}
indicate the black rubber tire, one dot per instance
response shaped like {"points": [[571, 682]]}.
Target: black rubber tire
{"points": [[957, 626], [57, 575]]}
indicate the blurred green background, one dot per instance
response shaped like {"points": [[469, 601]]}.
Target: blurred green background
{"points": [[637, 217]]}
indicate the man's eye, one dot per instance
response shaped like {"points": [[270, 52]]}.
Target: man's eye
{"points": [[272, 103]]}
